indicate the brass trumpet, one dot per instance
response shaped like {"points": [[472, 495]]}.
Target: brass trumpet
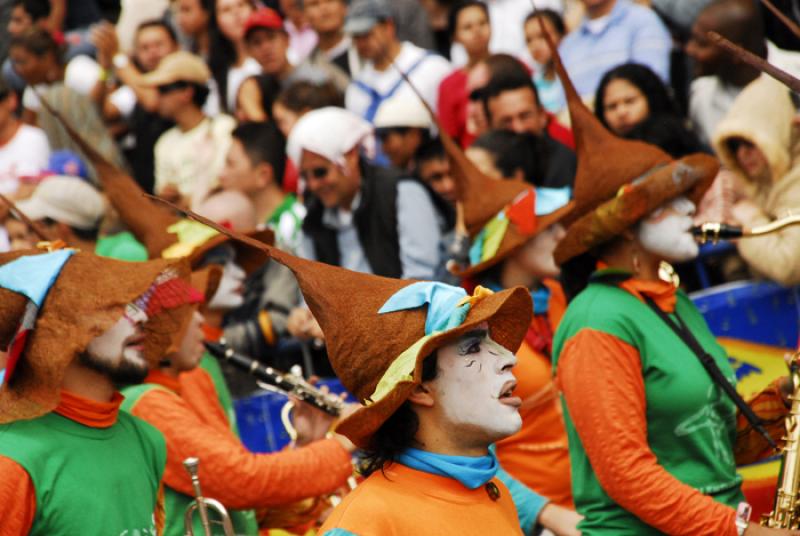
{"points": [[715, 231], [202, 505]]}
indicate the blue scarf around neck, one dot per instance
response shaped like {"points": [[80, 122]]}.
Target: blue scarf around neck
{"points": [[472, 471]]}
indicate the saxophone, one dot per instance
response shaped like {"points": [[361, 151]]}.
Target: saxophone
{"points": [[786, 514]]}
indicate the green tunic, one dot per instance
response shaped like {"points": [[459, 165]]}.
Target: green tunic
{"points": [[175, 503], [101, 481], [691, 423]]}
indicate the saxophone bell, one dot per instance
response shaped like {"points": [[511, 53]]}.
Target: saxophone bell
{"points": [[786, 512]]}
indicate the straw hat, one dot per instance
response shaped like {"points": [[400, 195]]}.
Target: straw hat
{"points": [[73, 313], [377, 342], [618, 181]]}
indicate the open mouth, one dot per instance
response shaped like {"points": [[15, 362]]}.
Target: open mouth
{"points": [[135, 341], [506, 395]]}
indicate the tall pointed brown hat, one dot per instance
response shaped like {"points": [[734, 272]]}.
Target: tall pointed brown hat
{"points": [[619, 181], [483, 198], [379, 330], [73, 313], [151, 222]]}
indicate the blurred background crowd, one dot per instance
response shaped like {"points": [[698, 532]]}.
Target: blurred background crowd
{"points": [[292, 115]]}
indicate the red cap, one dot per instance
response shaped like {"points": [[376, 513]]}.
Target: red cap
{"points": [[263, 18]]}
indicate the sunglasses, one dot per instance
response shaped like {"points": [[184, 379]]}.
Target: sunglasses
{"points": [[317, 173], [166, 88]]}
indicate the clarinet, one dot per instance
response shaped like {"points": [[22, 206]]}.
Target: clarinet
{"points": [[285, 382]]}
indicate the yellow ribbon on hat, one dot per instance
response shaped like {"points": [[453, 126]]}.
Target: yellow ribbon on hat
{"points": [[191, 235], [402, 368]]}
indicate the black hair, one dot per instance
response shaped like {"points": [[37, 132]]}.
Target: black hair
{"points": [[432, 150], [507, 82], [553, 16], [263, 143], [397, 433], [511, 152], [659, 100], [304, 95], [89, 235], [158, 23], [39, 42], [455, 11], [668, 132], [221, 54], [36, 9]]}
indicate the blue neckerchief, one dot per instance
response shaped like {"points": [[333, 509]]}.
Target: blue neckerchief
{"points": [[541, 300], [540, 296], [472, 471]]}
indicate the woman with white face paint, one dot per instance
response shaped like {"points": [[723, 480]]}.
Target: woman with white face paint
{"points": [[655, 426]]}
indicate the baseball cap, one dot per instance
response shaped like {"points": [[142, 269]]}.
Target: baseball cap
{"points": [[65, 199], [402, 110], [179, 66], [265, 18], [362, 15]]}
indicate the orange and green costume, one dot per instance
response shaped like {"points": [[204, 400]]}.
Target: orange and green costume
{"points": [[194, 424], [653, 441]]}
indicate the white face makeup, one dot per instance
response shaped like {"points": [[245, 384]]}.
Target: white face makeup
{"points": [[191, 350], [231, 287], [119, 352], [666, 231], [536, 255], [473, 388]]}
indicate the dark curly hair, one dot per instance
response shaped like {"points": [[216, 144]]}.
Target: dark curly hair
{"points": [[397, 433]]}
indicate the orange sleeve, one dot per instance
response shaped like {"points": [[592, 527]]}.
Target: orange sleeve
{"points": [[18, 498], [607, 407], [229, 472], [770, 407]]}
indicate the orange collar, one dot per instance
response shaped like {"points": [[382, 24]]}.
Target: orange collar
{"points": [[661, 292], [165, 380], [89, 412]]}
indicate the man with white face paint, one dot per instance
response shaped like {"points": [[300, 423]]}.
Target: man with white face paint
{"points": [[431, 367], [66, 449], [180, 399], [655, 426]]}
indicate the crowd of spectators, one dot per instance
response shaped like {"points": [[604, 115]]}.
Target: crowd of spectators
{"points": [[313, 118]]}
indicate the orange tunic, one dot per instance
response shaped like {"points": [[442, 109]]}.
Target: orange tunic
{"points": [[229, 472], [399, 501], [17, 494], [538, 455]]}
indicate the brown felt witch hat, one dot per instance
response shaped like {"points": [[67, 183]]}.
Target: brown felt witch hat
{"points": [[73, 313], [619, 181], [378, 356], [483, 198], [152, 224]]}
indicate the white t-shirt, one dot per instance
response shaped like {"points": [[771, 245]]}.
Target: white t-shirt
{"points": [[237, 75], [193, 160], [426, 77], [25, 155]]}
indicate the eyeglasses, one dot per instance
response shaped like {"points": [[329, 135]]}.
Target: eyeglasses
{"points": [[166, 88], [317, 173]]}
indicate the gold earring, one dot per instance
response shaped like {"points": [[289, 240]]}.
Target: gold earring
{"points": [[637, 267]]}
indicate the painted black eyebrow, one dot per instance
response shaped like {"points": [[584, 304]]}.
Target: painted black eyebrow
{"points": [[474, 334]]}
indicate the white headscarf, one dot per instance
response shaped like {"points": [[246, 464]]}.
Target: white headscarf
{"points": [[330, 132]]}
